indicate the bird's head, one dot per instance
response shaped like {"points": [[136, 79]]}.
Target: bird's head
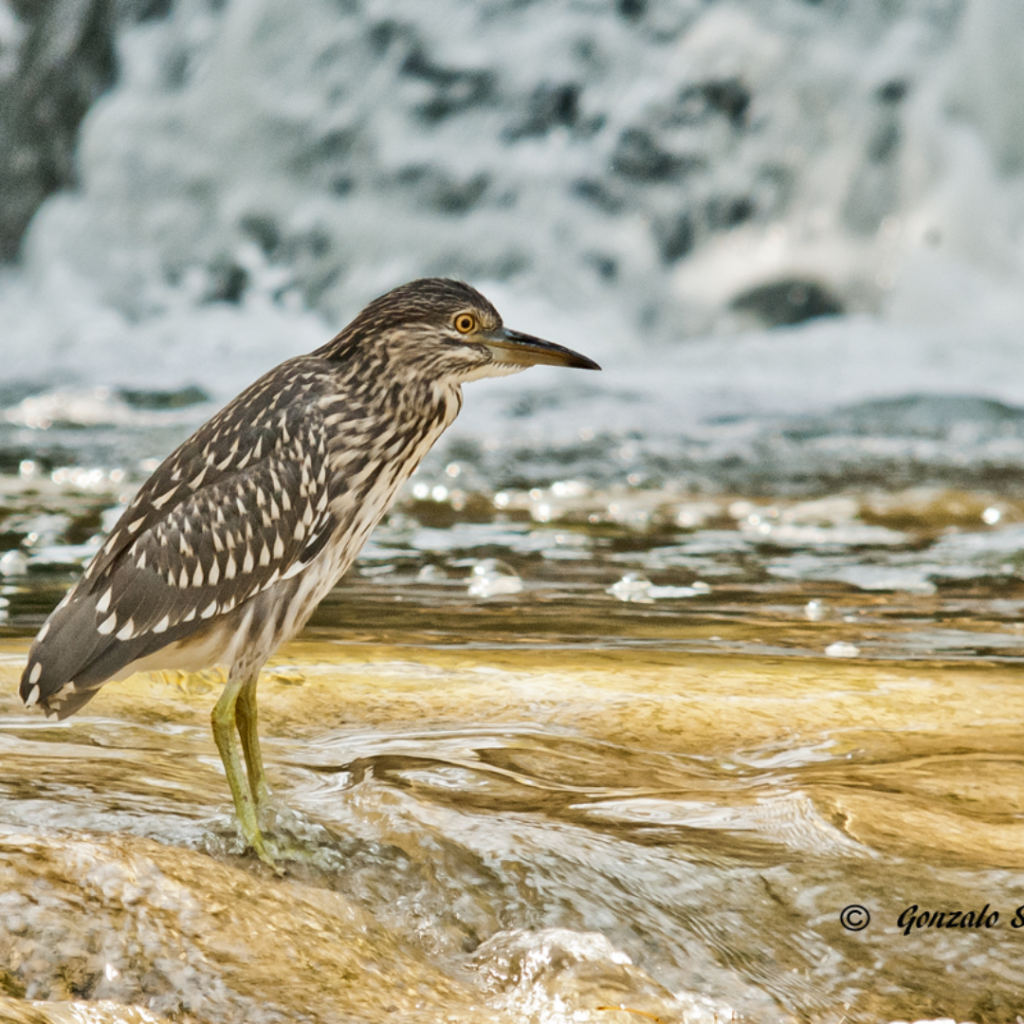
{"points": [[448, 330]]}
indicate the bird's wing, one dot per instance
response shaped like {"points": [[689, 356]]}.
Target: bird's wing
{"points": [[216, 524]]}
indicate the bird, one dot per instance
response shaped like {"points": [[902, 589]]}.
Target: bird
{"points": [[226, 550]]}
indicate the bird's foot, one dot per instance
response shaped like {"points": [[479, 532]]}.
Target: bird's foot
{"points": [[289, 836], [258, 845]]}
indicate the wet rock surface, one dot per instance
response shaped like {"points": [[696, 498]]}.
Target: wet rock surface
{"points": [[498, 833], [136, 922]]}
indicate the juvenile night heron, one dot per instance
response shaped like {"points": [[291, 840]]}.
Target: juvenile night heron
{"points": [[230, 545]]}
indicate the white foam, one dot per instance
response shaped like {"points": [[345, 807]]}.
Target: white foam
{"points": [[924, 245]]}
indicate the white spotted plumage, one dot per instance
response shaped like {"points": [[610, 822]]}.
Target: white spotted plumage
{"points": [[231, 543]]}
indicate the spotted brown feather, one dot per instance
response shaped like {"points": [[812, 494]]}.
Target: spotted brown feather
{"points": [[212, 528], [229, 546]]}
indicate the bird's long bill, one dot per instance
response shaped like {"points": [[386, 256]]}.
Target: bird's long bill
{"points": [[512, 347]]}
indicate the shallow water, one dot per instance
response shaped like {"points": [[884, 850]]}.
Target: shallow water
{"points": [[544, 756]]}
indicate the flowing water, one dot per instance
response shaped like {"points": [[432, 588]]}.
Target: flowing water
{"points": [[551, 755]]}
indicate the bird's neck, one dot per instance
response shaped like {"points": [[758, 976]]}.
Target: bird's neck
{"points": [[377, 437]]}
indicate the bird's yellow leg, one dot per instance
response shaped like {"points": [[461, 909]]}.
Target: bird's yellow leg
{"points": [[249, 735], [224, 725]]}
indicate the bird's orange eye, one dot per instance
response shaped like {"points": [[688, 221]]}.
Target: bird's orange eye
{"points": [[465, 323]]}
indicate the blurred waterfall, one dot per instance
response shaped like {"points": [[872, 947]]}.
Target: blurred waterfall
{"points": [[823, 200]]}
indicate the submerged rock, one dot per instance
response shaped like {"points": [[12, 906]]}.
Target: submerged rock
{"points": [[788, 302]]}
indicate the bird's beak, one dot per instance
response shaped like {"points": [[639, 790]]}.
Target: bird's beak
{"points": [[512, 347]]}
